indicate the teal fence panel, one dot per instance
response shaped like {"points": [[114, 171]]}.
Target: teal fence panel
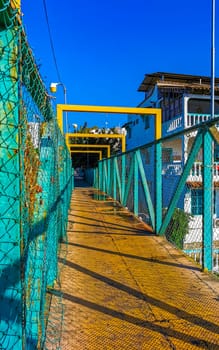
{"points": [[172, 184], [35, 191], [11, 284]]}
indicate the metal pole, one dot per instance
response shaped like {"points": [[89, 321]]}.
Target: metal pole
{"points": [[212, 58], [66, 114]]}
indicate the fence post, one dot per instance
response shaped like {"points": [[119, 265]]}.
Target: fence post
{"points": [[104, 176], [100, 173], [123, 178], [114, 178], [111, 177], [207, 262], [158, 186], [108, 175], [135, 184]]}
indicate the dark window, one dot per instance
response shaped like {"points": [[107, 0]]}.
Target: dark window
{"points": [[201, 106], [146, 122], [129, 132], [196, 202], [147, 156], [167, 155]]}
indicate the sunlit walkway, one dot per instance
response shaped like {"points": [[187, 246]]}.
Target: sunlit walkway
{"points": [[123, 288]]}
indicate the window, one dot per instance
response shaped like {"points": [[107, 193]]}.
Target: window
{"points": [[201, 106], [146, 122], [147, 156], [171, 104], [167, 155], [129, 132], [196, 202]]}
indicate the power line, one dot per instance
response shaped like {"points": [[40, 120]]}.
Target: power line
{"points": [[51, 42]]}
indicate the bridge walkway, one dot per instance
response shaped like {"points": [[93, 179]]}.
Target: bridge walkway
{"points": [[126, 289]]}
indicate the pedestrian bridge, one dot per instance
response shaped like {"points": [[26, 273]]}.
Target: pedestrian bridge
{"points": [[129, 261], [123, 287]]}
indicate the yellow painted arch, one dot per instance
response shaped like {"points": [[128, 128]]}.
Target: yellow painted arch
{"points": [[96, 136], [114, 110], [78, 145], [81, 151]]}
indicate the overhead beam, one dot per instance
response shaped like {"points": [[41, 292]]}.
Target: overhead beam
{"points": [[113, 110], [82, 151], [96, 136], [78, 145]]}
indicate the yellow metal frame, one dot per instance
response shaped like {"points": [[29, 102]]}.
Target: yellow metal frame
{"points": [[114, 110], [81, 151], [78, 145], [96, 136], [15, 4]]}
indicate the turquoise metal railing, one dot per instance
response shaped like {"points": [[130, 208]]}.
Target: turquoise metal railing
{"points": [[172, 203]]}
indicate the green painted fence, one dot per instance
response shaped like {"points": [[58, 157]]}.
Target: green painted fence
{"points": [[177, 195], [35, 190]]}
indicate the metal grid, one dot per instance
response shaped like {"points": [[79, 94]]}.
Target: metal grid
{"points": [[35, 189]]}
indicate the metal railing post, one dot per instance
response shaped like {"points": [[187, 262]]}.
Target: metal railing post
{"points": [[207, 256]]}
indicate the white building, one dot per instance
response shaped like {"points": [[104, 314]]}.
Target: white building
{"points": [[185, 101]]}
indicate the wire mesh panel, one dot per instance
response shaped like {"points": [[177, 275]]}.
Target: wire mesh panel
{"points": [[35, 189], [216, 207], [118, 175], [129, 183], [11, 285], [146, 184], [193, 205], [172, 169]]}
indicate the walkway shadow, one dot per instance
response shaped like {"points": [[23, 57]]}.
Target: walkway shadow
{"points": [[149, 299], [136, 257], [153, 326], [80, 182]]}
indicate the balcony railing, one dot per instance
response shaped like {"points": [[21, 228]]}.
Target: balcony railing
{"points": [[179, 122], [196, 172], [195, 119], [174, 169]]}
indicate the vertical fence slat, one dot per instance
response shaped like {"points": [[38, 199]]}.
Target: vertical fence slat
{"points": [[123, 178], [145, 187], [118, 179], [158, 186], [130, 177], [135, 184], [207, 258]]}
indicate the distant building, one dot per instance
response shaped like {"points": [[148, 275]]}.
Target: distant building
{"points": [[185, 101]]}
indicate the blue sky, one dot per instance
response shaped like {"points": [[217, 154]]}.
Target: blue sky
{"points": [[104, 48]]}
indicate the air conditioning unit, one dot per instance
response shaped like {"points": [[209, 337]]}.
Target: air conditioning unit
{"points": [[216, 222]]}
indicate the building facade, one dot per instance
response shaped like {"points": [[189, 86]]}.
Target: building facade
{"points": [[185, 102]]}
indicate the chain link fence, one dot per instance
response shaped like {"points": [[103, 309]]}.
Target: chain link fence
{"points": [[35, 190]]}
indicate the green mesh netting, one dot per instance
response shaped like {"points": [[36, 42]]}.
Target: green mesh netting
{"points": [[35, 190]]}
